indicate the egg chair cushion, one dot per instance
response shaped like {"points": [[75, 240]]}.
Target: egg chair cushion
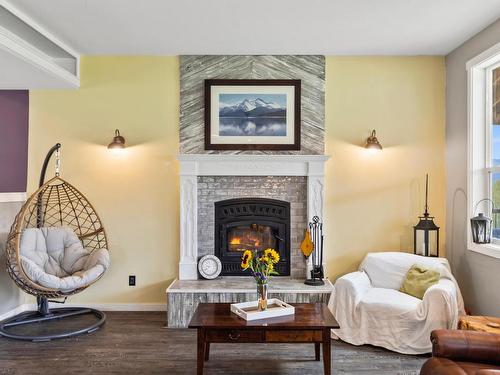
{"points": [[55, 258]]}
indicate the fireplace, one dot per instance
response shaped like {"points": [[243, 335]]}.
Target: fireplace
{"points": [[251, 223]]}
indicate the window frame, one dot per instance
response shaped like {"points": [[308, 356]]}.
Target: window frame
{"points": [[479, 168]]}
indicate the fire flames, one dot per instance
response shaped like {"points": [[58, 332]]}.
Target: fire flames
{"points": [[247, 242], [251, 237], [235, 241]]}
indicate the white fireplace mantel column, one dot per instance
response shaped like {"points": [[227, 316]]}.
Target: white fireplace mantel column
{"points": [[194, 165]]}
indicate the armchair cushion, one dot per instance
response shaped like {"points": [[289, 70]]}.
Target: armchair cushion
{"points": [[388, 269], [55, 258], [378, 300]]}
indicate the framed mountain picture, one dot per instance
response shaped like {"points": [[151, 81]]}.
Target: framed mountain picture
{"points": [[245, 114]]}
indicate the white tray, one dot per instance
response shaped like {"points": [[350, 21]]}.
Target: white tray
{"points": [[250, 310]]}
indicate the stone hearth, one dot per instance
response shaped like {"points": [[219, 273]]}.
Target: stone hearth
{"points": [[183, 296]]}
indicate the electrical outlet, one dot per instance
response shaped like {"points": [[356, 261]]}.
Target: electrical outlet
{"points": [[131, 280]]}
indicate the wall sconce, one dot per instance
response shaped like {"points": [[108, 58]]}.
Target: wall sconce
{"points": [[372, 142], [118, 142]]}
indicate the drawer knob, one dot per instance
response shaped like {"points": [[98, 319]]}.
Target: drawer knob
{"points": [[234, 336]]}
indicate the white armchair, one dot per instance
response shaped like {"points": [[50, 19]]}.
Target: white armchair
{"points": [[370, 308]]}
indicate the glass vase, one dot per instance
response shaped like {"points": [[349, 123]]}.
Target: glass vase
{"points": [[262, 295]]}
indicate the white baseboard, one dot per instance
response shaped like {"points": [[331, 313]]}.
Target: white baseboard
{"points": [[12, 197], [18, 310], [117, 306], [99, 306]]}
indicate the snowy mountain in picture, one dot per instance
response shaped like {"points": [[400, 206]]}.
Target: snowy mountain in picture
{"points": [[251, 106]]}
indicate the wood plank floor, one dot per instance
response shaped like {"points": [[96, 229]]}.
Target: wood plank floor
{"points": [[137, 343]]}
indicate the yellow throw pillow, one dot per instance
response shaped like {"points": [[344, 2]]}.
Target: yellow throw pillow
{"points": [[418, 279]]}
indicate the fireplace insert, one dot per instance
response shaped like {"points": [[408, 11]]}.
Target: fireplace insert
{"points": [[248, 224]]}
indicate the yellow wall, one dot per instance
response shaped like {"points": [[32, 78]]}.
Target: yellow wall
{"points": [[372, 201], [136, 194]]}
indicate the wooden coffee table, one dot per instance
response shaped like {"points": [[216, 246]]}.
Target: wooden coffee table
{"points": [[310, 324]]}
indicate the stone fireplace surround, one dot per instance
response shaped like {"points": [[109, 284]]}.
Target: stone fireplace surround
{"points": [[293, 176], [196, 168]]}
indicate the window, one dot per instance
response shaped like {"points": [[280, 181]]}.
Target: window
{"points": [[484, 143], [493, 86]]}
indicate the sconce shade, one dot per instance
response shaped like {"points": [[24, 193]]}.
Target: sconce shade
{"points": [[118, 141], [372, 142]]}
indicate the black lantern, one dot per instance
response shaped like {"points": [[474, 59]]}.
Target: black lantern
{"points": [[426, 232], [481, 225]]}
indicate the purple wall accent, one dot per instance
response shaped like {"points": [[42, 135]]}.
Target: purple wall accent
{"points": [[14, 117]]}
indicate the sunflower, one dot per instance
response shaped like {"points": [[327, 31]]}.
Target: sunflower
{"points": [[245, 259], [272, 254], [264, 259]]}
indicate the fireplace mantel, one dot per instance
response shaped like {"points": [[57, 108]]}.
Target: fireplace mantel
{"points": [[251, 165], [194, 165]]}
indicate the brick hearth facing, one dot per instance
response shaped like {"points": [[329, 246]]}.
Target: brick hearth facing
{"points": [[292, 189]]}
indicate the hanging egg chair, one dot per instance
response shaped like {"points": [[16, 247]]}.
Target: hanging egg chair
{"points": [[56, 247]]}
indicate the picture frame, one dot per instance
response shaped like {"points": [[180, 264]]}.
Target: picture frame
{"points": [[252, 114]]}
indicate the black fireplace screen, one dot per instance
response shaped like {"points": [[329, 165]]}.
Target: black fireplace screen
{"points": [[251, 224]]}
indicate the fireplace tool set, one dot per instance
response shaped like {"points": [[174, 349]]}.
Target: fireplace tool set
{"points": [[313, 246]]}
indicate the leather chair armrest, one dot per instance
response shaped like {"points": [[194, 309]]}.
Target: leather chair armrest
{"points": [[467, 346], [441, 366]]}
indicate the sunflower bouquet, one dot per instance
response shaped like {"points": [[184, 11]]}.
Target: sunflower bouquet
{"points": [[261, 265]]}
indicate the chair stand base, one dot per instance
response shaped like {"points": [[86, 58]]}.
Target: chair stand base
{"points": [[36, 317]]}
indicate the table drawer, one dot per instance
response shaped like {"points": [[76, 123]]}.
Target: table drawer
{"points": [[294, 336], [234, 335]]}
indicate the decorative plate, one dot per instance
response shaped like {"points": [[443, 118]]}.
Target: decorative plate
{"points": [[209, 267]]}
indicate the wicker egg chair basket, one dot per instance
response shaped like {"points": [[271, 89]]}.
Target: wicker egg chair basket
{"points": [[56, 203]]}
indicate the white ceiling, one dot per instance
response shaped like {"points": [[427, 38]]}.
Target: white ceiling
{"points": [[329, 27]]}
